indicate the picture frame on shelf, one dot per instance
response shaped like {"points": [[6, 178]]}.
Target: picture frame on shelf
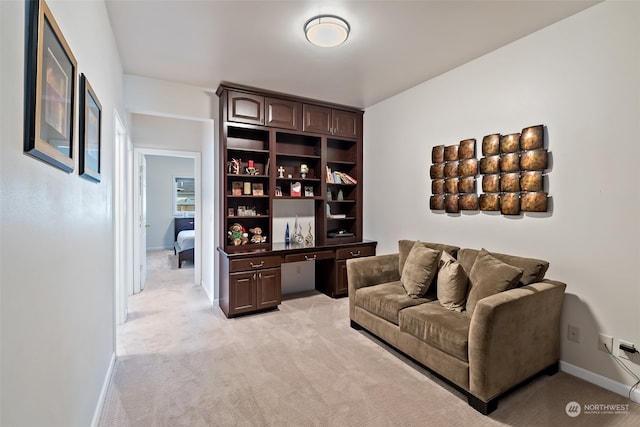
{"points": [[308, 191], [257, 189], [90, 124], [242, 210], [50, 82], [296, 189], [278, 191], [230, 212], [236, 188]]}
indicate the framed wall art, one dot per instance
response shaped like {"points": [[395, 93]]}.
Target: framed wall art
{"points": [[90, 125], [50, 81]]}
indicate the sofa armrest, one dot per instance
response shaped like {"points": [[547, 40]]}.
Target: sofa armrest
{"points": [[514, 335], [369, 271]]}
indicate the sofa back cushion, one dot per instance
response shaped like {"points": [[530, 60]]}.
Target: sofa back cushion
{"points": [[533, 269], [489, 276], [405, 246], [419, 270]]}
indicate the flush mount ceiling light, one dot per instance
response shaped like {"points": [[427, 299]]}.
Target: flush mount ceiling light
{"points": [[327, 30]]}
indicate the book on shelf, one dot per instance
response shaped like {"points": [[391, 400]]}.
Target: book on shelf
{"points": [[257, 189], [335, 177]]}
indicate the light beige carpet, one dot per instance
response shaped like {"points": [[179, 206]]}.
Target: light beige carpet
{"points": [[182, 363]]}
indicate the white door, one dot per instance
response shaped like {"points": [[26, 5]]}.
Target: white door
{"points": [[140, 256]]}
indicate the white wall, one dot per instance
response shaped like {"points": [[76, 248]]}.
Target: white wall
{"points": [[580, 78], [57, 265], [170, 116], [161, 171]]}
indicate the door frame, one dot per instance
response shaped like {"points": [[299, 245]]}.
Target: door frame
{"points": [[196, 156]]}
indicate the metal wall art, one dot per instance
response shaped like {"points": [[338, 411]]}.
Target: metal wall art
{"points": [[512, 168]]}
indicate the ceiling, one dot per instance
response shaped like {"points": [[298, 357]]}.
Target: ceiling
{"points": [[394, 45]]}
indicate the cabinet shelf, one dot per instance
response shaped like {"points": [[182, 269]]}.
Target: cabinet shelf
{"points": [[341, 201], [247, 196], [236, 177], [248, 150], [348, 218], [243, 217], [297, 198], [298, 156], [341, 162], [299, 179]]}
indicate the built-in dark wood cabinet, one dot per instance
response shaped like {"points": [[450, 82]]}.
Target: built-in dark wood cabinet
{"points": [[266, 139]]}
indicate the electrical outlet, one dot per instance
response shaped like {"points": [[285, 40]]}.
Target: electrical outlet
{"points": [[605, 340], [573, 333], [624, 354]]}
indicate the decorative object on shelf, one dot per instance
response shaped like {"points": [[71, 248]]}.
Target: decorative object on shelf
{"points": [[329, 195], [297, 233], [257, 189], [236, 188], [247, 188], [278, 192], [280, 172], [287, 239], [230, 212], [512, 169], [289, 176], [257, 235], [242, 210], [251, 169], [296, 189], [340, 195], [50, 81], [90, 124], [237, 235], [235, 166], [308, 191], [308, 240], [304, 170]]}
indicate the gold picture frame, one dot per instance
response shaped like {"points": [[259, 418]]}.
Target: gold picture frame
{"points": [[50, 90]]}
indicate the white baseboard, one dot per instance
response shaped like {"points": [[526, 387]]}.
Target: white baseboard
{"points": [[599, 380], [159, 248], [103, 392]]}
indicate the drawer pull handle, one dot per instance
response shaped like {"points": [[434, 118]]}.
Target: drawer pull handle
{"points": [[256, 265], [355, 254], [313, 258]]}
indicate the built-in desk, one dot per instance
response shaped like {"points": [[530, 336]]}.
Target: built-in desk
{"points": [[250, 281]]}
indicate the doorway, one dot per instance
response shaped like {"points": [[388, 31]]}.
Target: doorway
{"points": [[155, 171]]}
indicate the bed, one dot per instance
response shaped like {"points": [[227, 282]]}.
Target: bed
{"points": [[184, 236]]}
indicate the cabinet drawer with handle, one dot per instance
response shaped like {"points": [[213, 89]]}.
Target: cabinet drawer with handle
{"points": [[254, 263], [355, 252], [309, 256]]}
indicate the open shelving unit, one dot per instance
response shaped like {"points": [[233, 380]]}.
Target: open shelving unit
{"points": [[279, 134]]}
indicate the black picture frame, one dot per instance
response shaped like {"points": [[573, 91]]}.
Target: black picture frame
{"points": [[50, 82], [90, 125]]}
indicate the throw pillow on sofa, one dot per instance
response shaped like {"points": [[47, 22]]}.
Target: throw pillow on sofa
{"points": [[405, 246], [419, 270], [489, 276], [452, 283]]}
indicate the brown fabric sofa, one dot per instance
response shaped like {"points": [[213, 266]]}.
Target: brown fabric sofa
{"points": [[509, 338]]}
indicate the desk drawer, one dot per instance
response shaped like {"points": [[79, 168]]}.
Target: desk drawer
{"points": [[254, 263], [355, 252], [309, 256]]}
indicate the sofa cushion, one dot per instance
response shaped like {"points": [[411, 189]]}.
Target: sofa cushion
{"points": [[386, 300], [419, 270], [451, 283], [445, 329], [489, 276], [533, 269], [405, 246]]}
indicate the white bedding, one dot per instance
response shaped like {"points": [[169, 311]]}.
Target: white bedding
{"points": [[186, 239]]}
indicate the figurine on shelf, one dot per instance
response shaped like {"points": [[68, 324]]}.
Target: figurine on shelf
{"points": [[287, 240], [304, 170], [308, 241], [257, 235], [297, 233], [280, 172], [340, 195], [237, 235], [235, 166]]}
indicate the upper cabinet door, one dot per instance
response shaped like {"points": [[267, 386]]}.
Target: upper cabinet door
{"points": [[282, 114], [316, 119], [345, 123], [245, 108]]}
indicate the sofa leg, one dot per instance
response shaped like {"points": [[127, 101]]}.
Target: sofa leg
{"points": [[553, 369], [355, 326], [485, 408]]}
